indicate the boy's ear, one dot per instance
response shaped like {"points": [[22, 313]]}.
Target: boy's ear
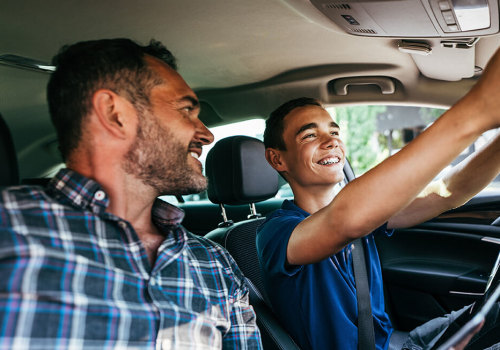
{"points": [[112, 111], [275, 159]]}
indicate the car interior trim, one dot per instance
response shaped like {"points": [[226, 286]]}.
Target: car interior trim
{"points": [[491, 240], [465, 293]]}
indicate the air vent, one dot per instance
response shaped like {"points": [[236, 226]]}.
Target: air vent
{"points": [[338, 6], [362, 31]]}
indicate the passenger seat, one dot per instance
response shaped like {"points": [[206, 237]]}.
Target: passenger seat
{"points": [[238, 173]]}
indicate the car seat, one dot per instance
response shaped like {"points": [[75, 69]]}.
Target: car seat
{"points": [[9, 175], [238, 173]]}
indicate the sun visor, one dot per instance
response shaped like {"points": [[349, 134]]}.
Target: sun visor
{"points": [[449, 60], [413, 18]]}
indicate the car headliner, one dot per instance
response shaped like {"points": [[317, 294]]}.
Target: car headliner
{"points": [[243, 58]]}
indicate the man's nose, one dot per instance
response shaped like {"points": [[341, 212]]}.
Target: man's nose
{"points": [[203, 135]]}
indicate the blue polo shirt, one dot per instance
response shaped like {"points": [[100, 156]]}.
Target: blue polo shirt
{"points": [[317, 302]]}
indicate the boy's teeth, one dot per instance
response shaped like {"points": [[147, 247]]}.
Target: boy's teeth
{"points": [[330, 161]]}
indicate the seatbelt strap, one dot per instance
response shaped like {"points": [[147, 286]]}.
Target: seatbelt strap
{"points": [[366, 336]]}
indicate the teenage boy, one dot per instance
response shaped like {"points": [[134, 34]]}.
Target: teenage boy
{"points": [[304, 247]]}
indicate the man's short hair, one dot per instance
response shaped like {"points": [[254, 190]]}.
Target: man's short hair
{"points": [[273, 135], [85, 67]]}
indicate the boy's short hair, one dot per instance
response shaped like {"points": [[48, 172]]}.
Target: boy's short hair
{"points": [[273, 134]]}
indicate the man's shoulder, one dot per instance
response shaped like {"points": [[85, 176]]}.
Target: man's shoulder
{"points": [[207, 249], [202, 242], [24, 196], [210, 253], [20, 204]]}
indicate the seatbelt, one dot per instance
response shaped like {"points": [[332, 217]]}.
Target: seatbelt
{"points": [[366, 335]]}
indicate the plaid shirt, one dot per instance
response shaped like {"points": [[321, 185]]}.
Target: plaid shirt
{"points": [[74, 276]]}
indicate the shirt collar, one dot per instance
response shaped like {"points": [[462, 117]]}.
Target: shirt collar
{"points": [[166, 214], [87, 194], [79, 190], [290, 205]]}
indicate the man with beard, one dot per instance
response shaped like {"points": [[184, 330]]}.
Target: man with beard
{"points": [[95, 260]]}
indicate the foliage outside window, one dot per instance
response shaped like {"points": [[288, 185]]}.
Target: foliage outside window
{"points": [[371, 133]]}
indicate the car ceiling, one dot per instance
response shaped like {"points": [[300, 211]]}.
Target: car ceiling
{"points": [[243, 58]]}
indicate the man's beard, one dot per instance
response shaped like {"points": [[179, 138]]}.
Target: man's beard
{"points": [[160, 160]]}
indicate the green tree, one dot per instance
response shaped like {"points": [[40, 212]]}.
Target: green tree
{"points": [[358, 126], [429, 115]]}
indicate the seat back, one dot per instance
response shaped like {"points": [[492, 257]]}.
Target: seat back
{"points": [[9, 173], [238, 173]]}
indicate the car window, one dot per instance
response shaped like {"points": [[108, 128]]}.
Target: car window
{"points": [[252, 127], [371, 133]]}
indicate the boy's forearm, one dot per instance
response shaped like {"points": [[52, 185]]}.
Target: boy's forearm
{"points": [[372, 199], [474, 173], [460, 184]]}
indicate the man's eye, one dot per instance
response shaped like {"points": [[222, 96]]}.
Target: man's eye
{"points": [[335, 133], [186, 111], [308, 136]]}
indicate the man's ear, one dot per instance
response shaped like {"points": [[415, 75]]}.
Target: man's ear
{"points": [[275, 159], [113, 112]]}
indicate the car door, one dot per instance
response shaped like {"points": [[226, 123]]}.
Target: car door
{"points": [[440, 265]]}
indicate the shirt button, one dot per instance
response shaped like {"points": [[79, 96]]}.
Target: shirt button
{"points": [[99, 195], [122, 224]]}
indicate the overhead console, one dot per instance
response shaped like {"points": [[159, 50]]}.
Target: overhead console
{"points": [[440, 35], [413, 18]]}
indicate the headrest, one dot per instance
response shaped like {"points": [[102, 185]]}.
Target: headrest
{"points": [[9, 175], [238, 172]]}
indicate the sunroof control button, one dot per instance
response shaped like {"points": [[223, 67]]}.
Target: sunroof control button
{"points": [[448, 17]]}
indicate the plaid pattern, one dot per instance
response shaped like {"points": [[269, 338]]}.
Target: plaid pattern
{"points": [[73, 276]]}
